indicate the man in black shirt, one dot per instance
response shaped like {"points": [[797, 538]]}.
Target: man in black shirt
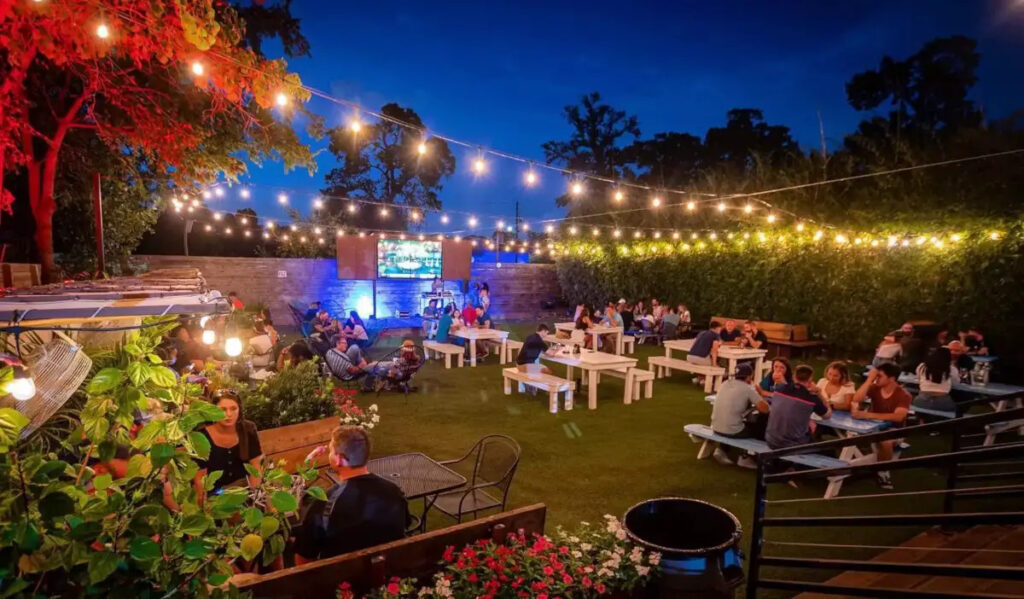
{"points": [[533, 347], [753, 337], [362, 510], [730, 334]]}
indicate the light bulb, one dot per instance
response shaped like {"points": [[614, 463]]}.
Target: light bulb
{"points": [[656, 202], [444, 219], [771, 218], [800, 227], [501, 224], [691, 206], [245, 220], [270, 224], [616, 233], [525, 227], [595, 232], [233, 346], [209, 337], [318, 203], [102, 31], [721, 206], [209, 227], [281, 99], [197, 68], [549, 229], [383, 211], [203, 321], [472, 221], [355, 126], [244, 193], [479, 166], [748, 209], [293, 228], [217, 216], [531, 177], [618, 196], [577, 188], [21, 388], [316, 230], [282, 199], [993, 235], [572, 230], [351, 207], [422, 148], [414, 215], [206, 194]]}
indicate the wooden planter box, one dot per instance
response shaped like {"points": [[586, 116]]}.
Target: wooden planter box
{"points": [[20, 275]]}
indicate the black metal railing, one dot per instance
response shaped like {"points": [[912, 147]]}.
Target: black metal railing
{"points": [[987, 469]]}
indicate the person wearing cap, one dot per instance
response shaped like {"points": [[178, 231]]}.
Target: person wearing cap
{"points": [[736, 414]]}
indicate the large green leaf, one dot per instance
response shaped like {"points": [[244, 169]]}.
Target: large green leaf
{"points": [[317, 493], [138, 373], [205, 409], [284, 501], [101, 565], [11, 424], [162, 376], [251, 546], [139, 465], [196, 549], [269, 526], [145, 549], [148, 434], [195, 524], [200, 443], [56, 505], [105, 380], [161, 453]]}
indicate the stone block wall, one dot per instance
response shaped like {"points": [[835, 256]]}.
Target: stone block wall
{"points": [[517, 290]]}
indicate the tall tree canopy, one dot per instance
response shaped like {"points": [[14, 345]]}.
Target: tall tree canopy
{"points": [[173, 82], [382, 162]]}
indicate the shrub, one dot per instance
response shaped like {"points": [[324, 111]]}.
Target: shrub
{"points": [[296, 394]]}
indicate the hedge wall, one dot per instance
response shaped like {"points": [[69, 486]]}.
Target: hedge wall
{"points": [[849, 294]]}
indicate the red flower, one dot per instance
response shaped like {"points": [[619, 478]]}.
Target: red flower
{"points": [[393, 588], [563, 550], [548, 570], [586, 582], [472, 578], [566, 579], [599, 587], [449, 554]]}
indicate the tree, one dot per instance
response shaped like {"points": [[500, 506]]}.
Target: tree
{"points": [[745, 136], [593, 148], [382, 163], [122, 69]]}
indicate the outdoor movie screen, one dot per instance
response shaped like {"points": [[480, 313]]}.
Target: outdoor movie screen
{"points": [[408, 259]]}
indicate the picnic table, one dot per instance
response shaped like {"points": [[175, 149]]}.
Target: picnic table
{"points": [[418, 476], [731, 353], [591, 363], [596, 331], [474, 334], [993, 389]]}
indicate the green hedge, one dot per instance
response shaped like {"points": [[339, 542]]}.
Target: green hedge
{"points": [[849, 294]]}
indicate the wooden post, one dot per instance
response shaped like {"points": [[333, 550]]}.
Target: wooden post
{"points": [[97, 210]]}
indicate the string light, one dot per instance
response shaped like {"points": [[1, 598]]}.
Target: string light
{"points": [[501, 224], [206, 194], [444, 219], [572, 230], [693, 236], [318, 203], [316, 230], [351, 207], [383, 211], [721, 206], [892, 240], [102, 31], [657, 234], [618, 195], [217, 216], [525, 227], [320, 240], [840, 238], [293, 228], [691, 206], [281, 99], [227, 231], [244, 193], [748, 209], [712, 235], [771, 218], [282, 199], [905, 242], [197, 68], [549, 229], [414, 215], [530, 178], [340, 233], [247, 234], [209, 227], [266, 235], [472, 222], [799, 227], [355, 126], [422, 148], [993, 235], [595, 232], [576, 188], [616, 233], [479, 166], [636, 234], [245, 220], [656, 202], [954, 237], [675, 234]]}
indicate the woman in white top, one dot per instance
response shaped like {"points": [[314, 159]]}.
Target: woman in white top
{"points": [[935, 378], [836, 387], [485, 297], [261, 348]]}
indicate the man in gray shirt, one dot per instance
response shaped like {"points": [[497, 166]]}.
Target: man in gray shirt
{"points": [[734, 400]]}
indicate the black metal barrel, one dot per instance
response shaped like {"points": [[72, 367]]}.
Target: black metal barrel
{"points": [[698, 542]]}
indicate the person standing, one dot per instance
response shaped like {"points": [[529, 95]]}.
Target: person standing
{"points": [[485, 297], [704, 350], [889, 402]]}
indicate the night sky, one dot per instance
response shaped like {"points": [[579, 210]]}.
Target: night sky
{"points": [[498, 74]]}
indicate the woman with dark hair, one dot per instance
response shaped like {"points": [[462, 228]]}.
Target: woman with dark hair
{"points": [[294, 354], [935, 378], [233, 444], [782, 373], [353, 317], [485, 296]]}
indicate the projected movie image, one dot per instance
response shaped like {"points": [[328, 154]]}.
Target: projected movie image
{"points": [[408, 259]]}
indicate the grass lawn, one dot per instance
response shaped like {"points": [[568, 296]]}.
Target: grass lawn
{"points": [[586, 463]]}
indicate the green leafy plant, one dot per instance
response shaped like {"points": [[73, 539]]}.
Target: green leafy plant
{"points": [[119, 515], [296, 394]]}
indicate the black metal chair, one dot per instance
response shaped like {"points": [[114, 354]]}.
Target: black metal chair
{"points": [[493, 462], [401, 381]]}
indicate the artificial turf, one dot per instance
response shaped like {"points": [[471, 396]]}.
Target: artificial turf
{"points": [[586, 463]]}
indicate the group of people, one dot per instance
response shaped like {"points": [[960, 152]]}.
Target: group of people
{"points": [[778, 409], [936, 359], [475, 314]]}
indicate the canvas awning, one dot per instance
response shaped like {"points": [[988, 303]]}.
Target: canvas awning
{"points": [[28, 309]]}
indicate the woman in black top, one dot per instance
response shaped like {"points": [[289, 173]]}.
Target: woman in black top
{"points": [[233, 443]]}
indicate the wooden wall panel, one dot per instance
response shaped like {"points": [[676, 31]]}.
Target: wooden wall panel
{"points": [[456, 258], [357, 258]]}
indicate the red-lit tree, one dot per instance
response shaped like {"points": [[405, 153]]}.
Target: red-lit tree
{"points": [[170, 80]]}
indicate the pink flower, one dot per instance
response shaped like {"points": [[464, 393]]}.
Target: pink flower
{"points": [[587, 582], [548, 570], [393, 588], [566, 579], [599, 587]]}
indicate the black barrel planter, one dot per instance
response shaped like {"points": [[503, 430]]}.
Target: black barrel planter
{"points": [[698, 542]]}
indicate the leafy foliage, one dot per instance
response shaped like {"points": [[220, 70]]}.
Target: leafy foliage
{"points": [[296, 394], [851, 295], [71, 525]]}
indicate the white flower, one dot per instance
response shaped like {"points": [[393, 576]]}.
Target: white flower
{"points": [[368, 425], [373, 408], [586, 546], [577, 554], [375, 418], [620, 534], [604, 572], [574, 539]]}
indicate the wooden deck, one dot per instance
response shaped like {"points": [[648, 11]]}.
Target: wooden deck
{"points": [[981, 546]]}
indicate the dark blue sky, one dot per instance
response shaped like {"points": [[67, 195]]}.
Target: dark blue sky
{"points": [[499, 73]]}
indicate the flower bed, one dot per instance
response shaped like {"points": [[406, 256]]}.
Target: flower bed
{"points": [[589, 562]]}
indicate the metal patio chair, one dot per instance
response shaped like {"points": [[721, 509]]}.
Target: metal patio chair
{"points": [[493, 460]]}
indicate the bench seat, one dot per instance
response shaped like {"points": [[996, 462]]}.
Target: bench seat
{"points": [[545, 382], [447, 350], [633, 377], [628, 344], [511, 346], [662, 366], [755, 446]]}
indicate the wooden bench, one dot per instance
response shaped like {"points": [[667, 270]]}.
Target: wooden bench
{"points": [[755, 446], [784, 337], [633, 377], [446, 349], [511, 345], [413, 557], [628, 344], [545, 382], [662, 366], [292, 443]]}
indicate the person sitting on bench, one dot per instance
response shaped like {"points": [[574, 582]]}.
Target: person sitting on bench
{"points": [[889, 402], [362, 510], [735, 413], [789, 417], [704, 350], [533, 348]]}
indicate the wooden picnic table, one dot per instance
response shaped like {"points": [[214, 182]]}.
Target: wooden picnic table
{"points": [[591, 363], [596, 331], [474, 334], [731, 353], [992, 389]]}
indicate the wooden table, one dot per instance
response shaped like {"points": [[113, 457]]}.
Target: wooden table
{"points": [[474, 334], [596, 331], [592, 363], [847, 426], [731, 353], [993, 389]]}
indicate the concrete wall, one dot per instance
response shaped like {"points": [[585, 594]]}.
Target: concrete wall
{"points": [[517, 290]]}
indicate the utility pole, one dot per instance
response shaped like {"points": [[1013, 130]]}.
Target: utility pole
{"points": [[517, 233], [97, 210], [188, 229]]}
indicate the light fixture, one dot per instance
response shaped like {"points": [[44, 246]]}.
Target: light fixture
{"points": [[219, 192], [595, 232], [282, 199], [748, 209], [472, 222], [549, 229], [320, 240], [355, 126], [636, 234], [954, 237], [266, 235], [525, 226], [209, 336], [619, 195], [232, 346], [245, 220], [721, 206], [318, 203], [530, 178], [444, 219], [102, 31], [675, 234], [227, 231], [206, 194], [281, 99], [840, 238], [316, 230], [573, 230], [656, 202], [479, 166], [799, 227], [414, 215], [657, 234], [292, 228], [691, 206], [351, 207], [422, 148], [771, 218], [285, 237], [244, 193], [270, 224], [577, 188], [217, 216], [501, 224], [616, 233], [993, 235], [712, 235], [302, 239], [818, 235], [197, 68], [247, 233], [21, 387]]}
